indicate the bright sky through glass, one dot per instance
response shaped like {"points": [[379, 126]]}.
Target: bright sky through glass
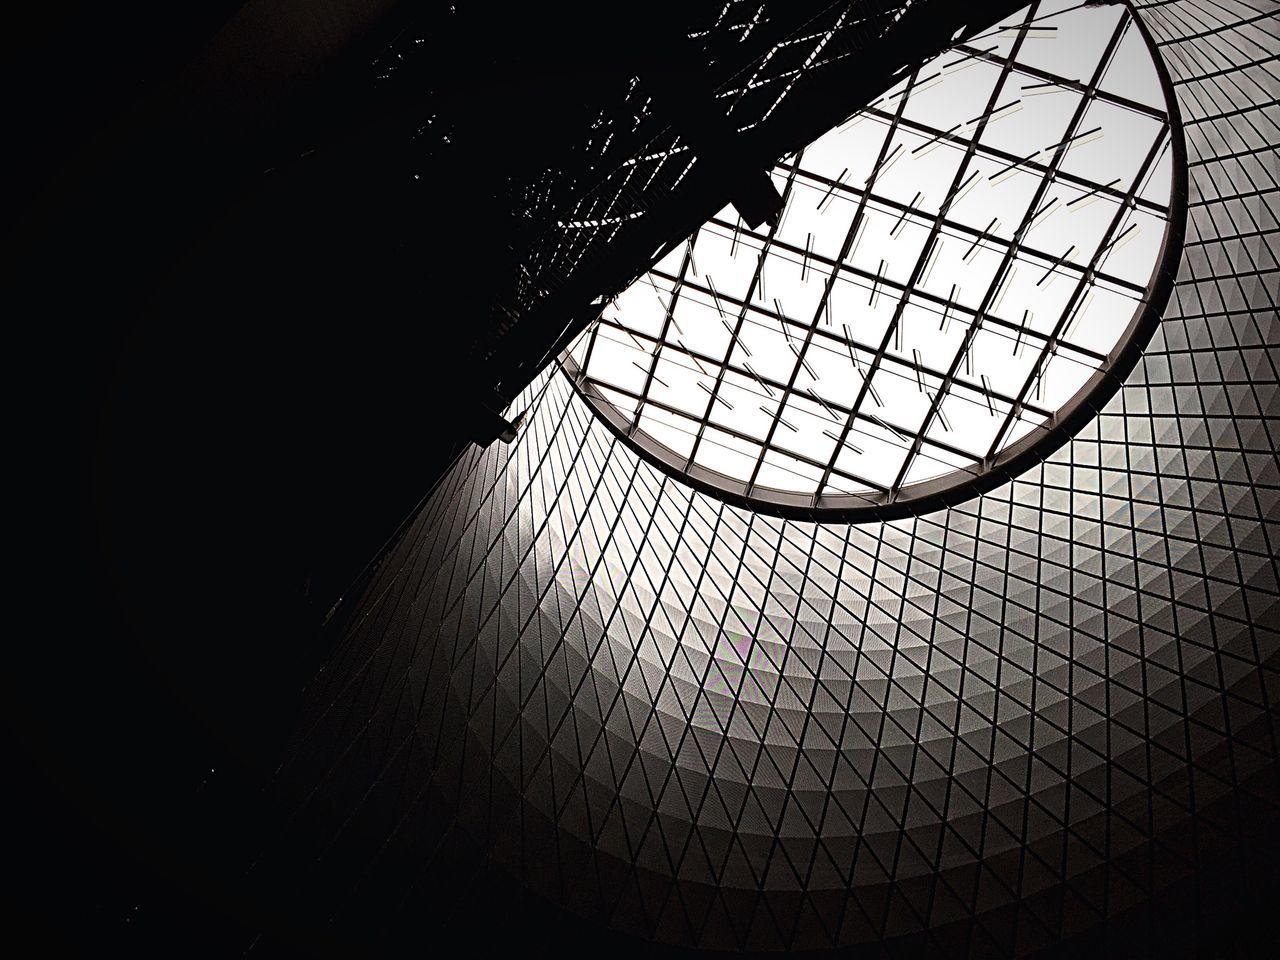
{"points": [[952, 266]]}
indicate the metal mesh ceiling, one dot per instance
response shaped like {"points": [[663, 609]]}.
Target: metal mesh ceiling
{"points": [[991, 726]]}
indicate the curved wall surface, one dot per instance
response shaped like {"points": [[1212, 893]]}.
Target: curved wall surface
{"points": [[991, 726]]}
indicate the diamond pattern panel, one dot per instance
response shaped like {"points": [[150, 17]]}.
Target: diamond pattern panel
{"points": [[992, 726]]}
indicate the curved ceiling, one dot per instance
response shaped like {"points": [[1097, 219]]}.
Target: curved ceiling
{"points": [[979, 730]]}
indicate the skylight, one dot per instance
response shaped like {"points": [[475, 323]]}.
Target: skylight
{"points": [[956, 267]]}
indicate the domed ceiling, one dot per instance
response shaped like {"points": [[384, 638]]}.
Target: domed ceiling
{"points": [[975, 729]]}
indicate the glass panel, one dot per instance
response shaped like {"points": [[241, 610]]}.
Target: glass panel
{"points": [[980, 254]]}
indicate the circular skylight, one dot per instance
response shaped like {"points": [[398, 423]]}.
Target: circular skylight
{"points": [[956, 271]]}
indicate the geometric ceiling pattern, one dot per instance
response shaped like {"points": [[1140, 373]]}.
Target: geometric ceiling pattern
{"points": [[951, 267], [981, 729]]}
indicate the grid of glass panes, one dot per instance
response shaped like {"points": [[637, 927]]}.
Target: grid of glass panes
{"points": [[952, 265]]}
